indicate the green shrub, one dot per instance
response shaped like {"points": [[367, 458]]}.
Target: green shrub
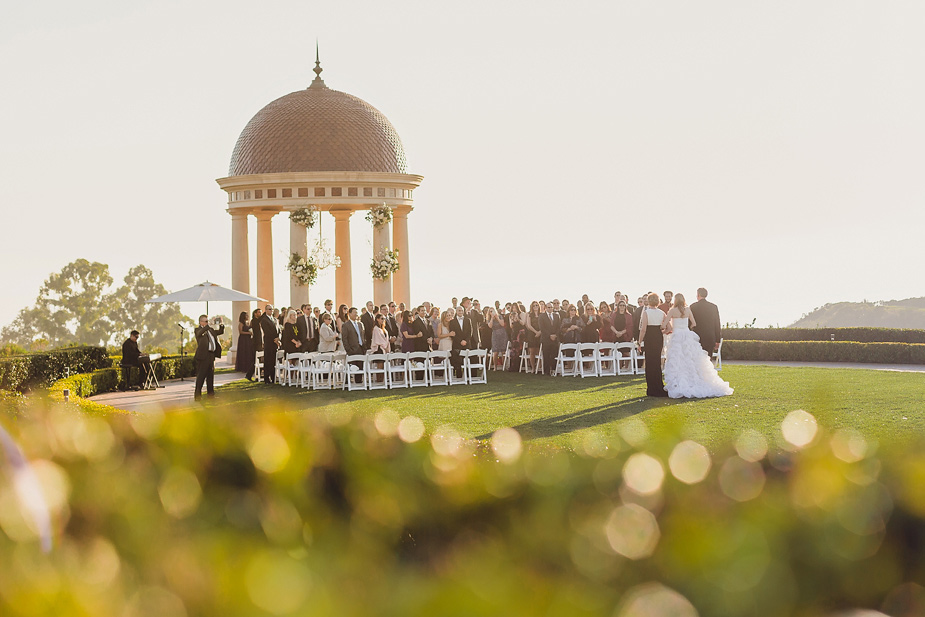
{"points": [[859, 335], [23, 373], [111, 379], [258, 514], [824, 351]]}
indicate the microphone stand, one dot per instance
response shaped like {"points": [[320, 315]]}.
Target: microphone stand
{"points": [[182, 332]]}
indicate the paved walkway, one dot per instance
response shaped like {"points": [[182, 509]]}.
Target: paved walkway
{"points": [[176, 393]]}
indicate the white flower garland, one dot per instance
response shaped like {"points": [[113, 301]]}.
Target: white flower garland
{"points": [[379, 215], [305, 217], [384, 264], [304, 270]]}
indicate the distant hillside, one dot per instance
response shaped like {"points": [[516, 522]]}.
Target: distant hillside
{"points": [[908, 313]]}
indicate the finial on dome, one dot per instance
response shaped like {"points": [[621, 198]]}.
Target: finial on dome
{"points": [[317, 82]]}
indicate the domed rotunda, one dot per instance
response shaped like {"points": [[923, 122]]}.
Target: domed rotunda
{"points": [[324, 149]]}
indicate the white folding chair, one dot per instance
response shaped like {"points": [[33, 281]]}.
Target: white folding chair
{"points": [[338, 369], [377, 371], [459, 380], [417, 369], [625, 358], [524, 360], [538, 368], [607, 359], [438, 368], [292, 365], [639, 361], [281, 371], [566, 361], [398, 370], [718, 356], [587, 360], [258, 366], [506, 362], [474, 368], [356, 372], [321, 371]]}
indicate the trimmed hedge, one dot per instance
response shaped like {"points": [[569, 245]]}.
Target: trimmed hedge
{"points": [[859, 335], [23, 373], [824, 351], [109, 379]]}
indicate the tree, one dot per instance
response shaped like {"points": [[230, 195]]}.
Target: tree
{"points": [[157, 321]]}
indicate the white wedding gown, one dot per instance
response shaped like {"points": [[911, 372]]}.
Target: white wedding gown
{"points": [[689, 372]]}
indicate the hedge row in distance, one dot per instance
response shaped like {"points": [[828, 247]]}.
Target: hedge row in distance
{"points": [[859, 335], [824, 351], [22, 373]]}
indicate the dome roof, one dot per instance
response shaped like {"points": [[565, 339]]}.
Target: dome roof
{"points": [[318, 129]]}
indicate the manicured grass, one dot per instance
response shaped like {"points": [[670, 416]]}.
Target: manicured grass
{"points": [[886, 406]]}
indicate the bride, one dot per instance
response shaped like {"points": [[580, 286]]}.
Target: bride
{"points": [[689, 372]]}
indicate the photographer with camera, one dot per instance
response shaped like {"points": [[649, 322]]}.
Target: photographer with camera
{"points": [[208, 349]]}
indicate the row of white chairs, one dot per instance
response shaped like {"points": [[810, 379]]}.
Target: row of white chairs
{"points": [[325, 371]]}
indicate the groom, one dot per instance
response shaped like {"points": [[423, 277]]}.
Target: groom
{"points": [[708, 327]]}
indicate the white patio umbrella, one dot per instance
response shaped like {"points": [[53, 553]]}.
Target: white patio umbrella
{"points": [[207, 292]]}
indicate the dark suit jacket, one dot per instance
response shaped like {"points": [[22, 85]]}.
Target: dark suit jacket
{"points": [[548, 327], [130, 353], [202, 343], [391, 324], [257, 333], [422, 326], [477, 319], [354, 344], [308, 332], [463, 333], [271, 331], [368, 323], [708, 327]]}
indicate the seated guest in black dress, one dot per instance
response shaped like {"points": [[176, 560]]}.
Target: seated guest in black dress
{"points": [[132, 356], [244, 359]]}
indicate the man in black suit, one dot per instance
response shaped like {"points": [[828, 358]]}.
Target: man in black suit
{"points": [[475, 316], [307, 329], [353, 334], [423, 329], [461, 327], [208, 349], [132, 356], [270, 330], [708, 325], [369, 320], [549, 336], [391, 325]]}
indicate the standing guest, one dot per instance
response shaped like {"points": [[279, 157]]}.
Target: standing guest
{"points": [[391, 326], [590, 332], [329, 307], [380, 338], [401, 307], [292, 340], [256, 333], [424, 334], [608, 334], [558, 308], [637, 316], [473, 316], [369, 320], [549, 337], [532, 328], [276, 315], [650, 329], [208, 349], [485, 333], [244, 360], [666, 305], [515, 326], [461, 327], [271, 334], [317, 313], [308, 329], [571, 326], [443, 333], [455, 304], [623, 324], [353, 334], [498, 336], [327, 336], [342, 318], [408, 335], [132, 356], [433, 319], [708, 328]]}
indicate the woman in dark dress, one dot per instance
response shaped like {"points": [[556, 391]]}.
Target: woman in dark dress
{"points": [[608, 335], [591, 323], [532, 332], [651, 334], [291, 342], [623, 323], [407, 332], [571, 327], [244, 360]]}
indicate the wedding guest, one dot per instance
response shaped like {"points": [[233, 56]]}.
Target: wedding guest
{"points": [[244, 360], [369, 321], [401, 307], [291, 340], [623, 323], [132, 356], [532, 328], [461, 327], [666, 305], [271, 334], [515, 326], [208, 348], [571, 326], [316, 311], [353, 335], [558, 308], [607, 333], [329, 307], [342, 318], [391, 325], [454, 302], [433, 316], [256, 332], [590, 332], [498, 336], [549, 337], [307, 329], [276, 315], [408, 335], [380, 338], [708, 328], [484, 327], [637, 315], [650, 329], [475, 316], [327, 337], [443, 333], [422, 330]]}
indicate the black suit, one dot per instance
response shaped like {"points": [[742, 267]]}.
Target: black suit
{"points": [[549, 328], [257, 334], [708, 326], [368, 322], [477, 320], [132, 356], [208, 349], [461, 340], [392, 327], [354, 342], [308, 333], [271, 334], [422, 326]]}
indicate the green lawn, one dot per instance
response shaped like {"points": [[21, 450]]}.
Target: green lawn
{"points": [[886, 406]]}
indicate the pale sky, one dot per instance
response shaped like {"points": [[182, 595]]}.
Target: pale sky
{"points": [[769, 151]]}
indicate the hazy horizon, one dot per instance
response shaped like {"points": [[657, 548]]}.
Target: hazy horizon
{"points": [[768, 152]]}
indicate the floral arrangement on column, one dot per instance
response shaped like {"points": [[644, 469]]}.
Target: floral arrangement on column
{"points": [[379, 215], [305, 270], [305, 217], [384, 263]]}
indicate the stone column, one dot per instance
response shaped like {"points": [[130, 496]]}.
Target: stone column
{"points": [[240, 273], [343, 280], [298, 237], [382, 290], [265, 254], [401, 280]]}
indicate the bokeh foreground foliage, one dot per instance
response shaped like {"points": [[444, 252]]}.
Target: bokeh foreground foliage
{"points": [[222, 513]]}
